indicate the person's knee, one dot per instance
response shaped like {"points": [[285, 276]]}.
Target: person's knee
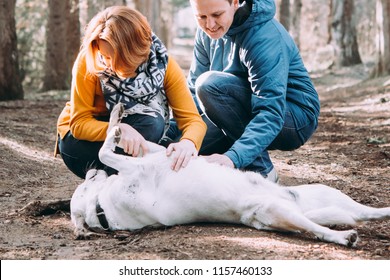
{"points": [[154, 131], [207, 84], [150, 127]]}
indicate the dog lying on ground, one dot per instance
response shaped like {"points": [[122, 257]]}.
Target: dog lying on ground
{"points": [[147, 193]]}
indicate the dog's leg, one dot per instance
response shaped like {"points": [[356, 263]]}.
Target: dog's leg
{"points": [[81, 232], [285, 216], [107, 155], [328, 206], [115, 116], [373, 214], [334, 215], [330, 216], [120, 162]]}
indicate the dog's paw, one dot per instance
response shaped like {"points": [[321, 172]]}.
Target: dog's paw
{"points": [[117, 135], [352, 238], [116, 115], [121, 110], [88, 233], [117, 112], [84, 234]]}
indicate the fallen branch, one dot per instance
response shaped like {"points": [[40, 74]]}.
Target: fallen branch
{"points": [[45, 207]]}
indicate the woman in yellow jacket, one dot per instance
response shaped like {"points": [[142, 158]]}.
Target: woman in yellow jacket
{"points": [[121, 60]]}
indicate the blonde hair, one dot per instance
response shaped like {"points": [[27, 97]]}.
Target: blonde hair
{"points": [[126, 30]]}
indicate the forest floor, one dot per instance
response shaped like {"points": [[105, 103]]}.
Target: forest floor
{"points": [[350, 151]]}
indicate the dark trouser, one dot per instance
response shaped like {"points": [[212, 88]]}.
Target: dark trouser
{"points": [[226, 100], [215, 140], [80, 155]]}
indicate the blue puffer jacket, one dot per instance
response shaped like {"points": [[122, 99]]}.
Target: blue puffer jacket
{"points": [[261, 50]]}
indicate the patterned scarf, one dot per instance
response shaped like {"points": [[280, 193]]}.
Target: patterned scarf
{"points": [[143, 94]]}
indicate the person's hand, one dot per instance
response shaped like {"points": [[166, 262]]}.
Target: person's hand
{"points": [[182, 153], [219, 159], [132, 142]]}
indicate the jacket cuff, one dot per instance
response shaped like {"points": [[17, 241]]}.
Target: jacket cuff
{"points": [[234, 158]]}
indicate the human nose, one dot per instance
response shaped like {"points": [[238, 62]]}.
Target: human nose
{"points": [[210, 23]]}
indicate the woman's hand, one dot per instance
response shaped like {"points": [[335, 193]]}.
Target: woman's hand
{"points": [[220, 159], [182, 152], [132, 142]]}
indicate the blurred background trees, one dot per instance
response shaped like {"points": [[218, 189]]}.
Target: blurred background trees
{"points": [[342, 35], [10, 76], [382, 65], [62, 43], [330, 34]]}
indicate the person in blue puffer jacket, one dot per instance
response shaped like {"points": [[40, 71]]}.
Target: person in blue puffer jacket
{"points": [[249, 79]]}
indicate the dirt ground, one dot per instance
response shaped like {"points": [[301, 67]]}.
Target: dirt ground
{"points": [[350, 151]]}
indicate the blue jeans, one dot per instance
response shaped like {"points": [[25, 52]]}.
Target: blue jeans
{"points": [[80, 155], [226, 101]]}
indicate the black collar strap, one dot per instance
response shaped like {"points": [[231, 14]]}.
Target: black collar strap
{"points": [[101, 216]]}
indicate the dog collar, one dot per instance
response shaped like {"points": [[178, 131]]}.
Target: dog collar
{"points": [[101, 216]]}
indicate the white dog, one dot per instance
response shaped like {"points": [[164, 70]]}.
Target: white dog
{"points": [[146, 192]]}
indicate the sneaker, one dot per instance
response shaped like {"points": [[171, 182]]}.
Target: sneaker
{"points": [[273, 176]]}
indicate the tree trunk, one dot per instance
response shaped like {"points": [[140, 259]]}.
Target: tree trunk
{"points": [[108, 3], [89, 8], [62, 43], [152, 9], [284, 13], [10, 79], [93, 7], [295, 28], [73, 33], [343, 33], [382, 66], [56, 68]]}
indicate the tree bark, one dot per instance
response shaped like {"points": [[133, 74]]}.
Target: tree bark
{"points": [[89, 8], [343, 33], [295, 28], [10, 78], [56, 60], [73, 33], [382, 65], [152, 10], [62, 37], [284, 13]]}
